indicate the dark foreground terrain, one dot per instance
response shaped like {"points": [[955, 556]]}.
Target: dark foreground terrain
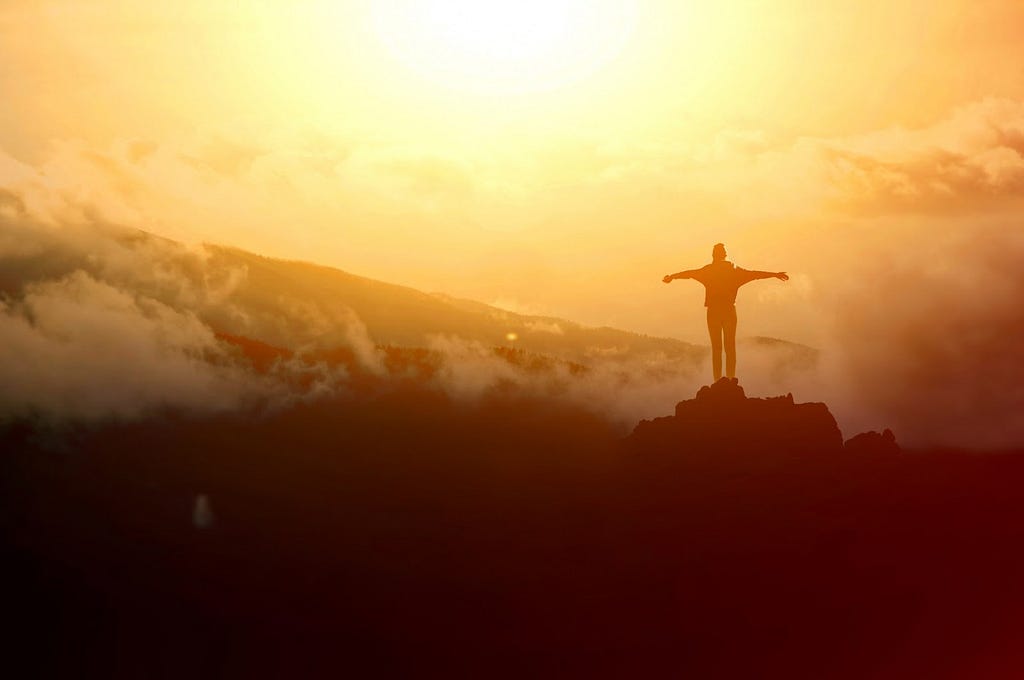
{"points": [[409, 535]]}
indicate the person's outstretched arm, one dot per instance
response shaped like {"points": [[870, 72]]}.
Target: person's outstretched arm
{"points": [[756, 275], [688, 274]]}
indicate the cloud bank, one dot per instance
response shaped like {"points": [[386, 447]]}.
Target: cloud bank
{"points": [[82, 349]]}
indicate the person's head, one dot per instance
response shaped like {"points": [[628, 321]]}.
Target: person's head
{"points": [[718, 252]]}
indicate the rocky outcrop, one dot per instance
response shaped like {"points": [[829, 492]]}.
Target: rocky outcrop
{"points": [[721, 418], [867, 443]]}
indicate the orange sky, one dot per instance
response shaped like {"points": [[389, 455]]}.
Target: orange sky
{"points": [[822, 138]]}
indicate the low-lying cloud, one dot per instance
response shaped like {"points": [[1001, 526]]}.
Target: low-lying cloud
{"points": [[81, 349], [101, 322]]}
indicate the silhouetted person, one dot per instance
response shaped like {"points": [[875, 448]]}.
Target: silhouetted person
{"points": [[722, 279]]}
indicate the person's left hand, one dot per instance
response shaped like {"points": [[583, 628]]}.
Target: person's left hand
{"points": [[668, 278]]}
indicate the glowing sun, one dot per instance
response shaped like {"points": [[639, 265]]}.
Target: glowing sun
{"points": [[504, 46]]}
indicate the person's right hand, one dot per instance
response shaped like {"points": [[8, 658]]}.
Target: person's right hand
{"points": [[782, 276], [668, 278]]}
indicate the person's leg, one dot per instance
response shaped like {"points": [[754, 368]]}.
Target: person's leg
{"points": [[729, 330], [715, 331]]}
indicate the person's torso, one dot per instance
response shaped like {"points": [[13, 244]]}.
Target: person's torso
{"points": [[721, 281]]}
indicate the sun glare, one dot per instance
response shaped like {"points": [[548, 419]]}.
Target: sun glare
{"points": [[501, 46]]}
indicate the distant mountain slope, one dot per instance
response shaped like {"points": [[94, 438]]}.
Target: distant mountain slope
{"points": [[398, 315]]}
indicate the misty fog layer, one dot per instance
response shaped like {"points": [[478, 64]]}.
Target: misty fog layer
{"points": [[931, 335]]}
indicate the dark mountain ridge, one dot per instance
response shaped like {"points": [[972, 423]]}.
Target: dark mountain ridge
{"points": [[405, 532]]}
